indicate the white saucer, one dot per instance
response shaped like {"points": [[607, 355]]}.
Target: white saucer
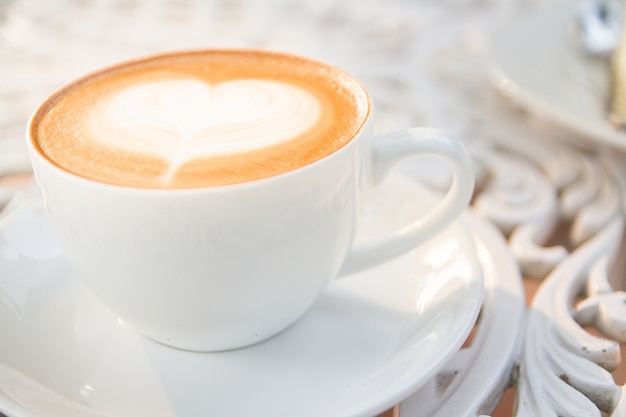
{"points": [[539, 66], [371, 341]]}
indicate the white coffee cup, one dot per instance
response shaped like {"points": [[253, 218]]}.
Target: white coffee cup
{"points": [[222, 267]]}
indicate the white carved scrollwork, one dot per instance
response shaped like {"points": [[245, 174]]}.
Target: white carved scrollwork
{"points": [[520, 201], [564, 369], [531, 190]]}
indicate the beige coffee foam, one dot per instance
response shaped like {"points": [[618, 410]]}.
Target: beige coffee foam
{"points": [[59, 131]]}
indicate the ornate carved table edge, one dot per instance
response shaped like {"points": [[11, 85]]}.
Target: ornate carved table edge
{"points": [[560, 211]]}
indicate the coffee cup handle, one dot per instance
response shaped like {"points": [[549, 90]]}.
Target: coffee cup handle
{"points": [[390, 149]]}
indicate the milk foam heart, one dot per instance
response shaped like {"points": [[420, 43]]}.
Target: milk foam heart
{"points": [[199, 119], [168, 116], [187, 118]]}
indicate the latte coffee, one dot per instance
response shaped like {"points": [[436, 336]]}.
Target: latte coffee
{"points": [[197, 119], [149, 174]]}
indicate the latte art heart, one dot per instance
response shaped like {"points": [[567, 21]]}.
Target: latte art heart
{"points": [[200, 119], [185, 119]]}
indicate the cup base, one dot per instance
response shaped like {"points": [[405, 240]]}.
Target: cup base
{"points": [[209, 345]]}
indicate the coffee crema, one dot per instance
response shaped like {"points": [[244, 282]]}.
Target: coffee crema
{"points": [[202, 118]]}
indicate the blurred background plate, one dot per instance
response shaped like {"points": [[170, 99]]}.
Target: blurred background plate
{"points": [[539, 66]]}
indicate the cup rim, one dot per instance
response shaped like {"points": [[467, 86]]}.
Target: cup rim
{"points": [[36, 152]]}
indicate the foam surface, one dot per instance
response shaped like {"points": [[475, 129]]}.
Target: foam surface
{"points": [[200, 119], [185, 119]]}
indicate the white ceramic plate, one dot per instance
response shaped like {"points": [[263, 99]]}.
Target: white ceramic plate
{"points": [[539, 66], [371, 340]]}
